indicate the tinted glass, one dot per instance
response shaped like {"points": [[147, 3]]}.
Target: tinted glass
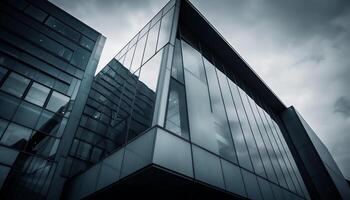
{"points": [[8, 105], [222, 129], [199, 113], [3, 126], [151, 42], [16, 136], [15, 84], [57, 102], [251, 185], [176, 119], [233, 178], [150, 71], [27, 114], [37, 94], [192, 60], [140, 46], [173, 153], [266, 189], [3, 72], [177, 69], [207, 167], [165, 29]]}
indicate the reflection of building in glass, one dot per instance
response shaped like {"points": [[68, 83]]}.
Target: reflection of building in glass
{"points": [[176, 114]]}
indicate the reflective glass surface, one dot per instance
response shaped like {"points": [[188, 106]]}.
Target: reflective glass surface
{"points": [[57, 102], [176, 118], [151, 42], [233, 178], [15, 84], [37, 94], [165, 29], [16, 136]]}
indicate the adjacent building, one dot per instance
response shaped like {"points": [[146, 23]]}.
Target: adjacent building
{"points": [[177, 114], [47, 63]]}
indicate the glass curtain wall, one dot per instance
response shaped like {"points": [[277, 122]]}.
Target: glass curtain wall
{"points": [[121, 102], [226, 124]]}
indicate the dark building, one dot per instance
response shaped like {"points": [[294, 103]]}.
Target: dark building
{"points": [[177, 114], [47, 63]]}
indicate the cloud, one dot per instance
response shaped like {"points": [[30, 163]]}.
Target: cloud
{"points": [[342, 106]]}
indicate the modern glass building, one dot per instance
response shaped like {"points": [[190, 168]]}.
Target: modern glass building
{"points": [[177, 114]]}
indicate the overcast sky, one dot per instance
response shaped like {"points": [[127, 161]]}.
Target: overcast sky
{"points": [[300, 48]]}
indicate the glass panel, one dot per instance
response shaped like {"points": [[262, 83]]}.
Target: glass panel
{"points": [[244, 124], [3, 126], [62, 28], [35, 13], [16, 136], [27, 114], [266, 189], [8, 156], [110, 169], [263, 146], [165, 29], [80, 58], [222, 129], [140, 46], [42, 144], [192, 60], [255, 155], [207, 167], [138, 153], [129, 56], [151, 42], [251, 185], [8, 105], [87, 43], [173, 153], [176, 119], [233, 178], [150, 71], [177, 70], [15, 84], [237, 134], [57, 102], [199, 114], [3, 72], [271, 151], [37, 94], [277, 191]]}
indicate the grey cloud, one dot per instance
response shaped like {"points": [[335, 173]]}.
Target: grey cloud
{"points": [[342, 106]]}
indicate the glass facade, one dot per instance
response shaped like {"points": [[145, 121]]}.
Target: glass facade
{"points": [[44, 55], [122, 98]]}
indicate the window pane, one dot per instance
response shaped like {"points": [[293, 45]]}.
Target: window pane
{"points": [[199, 114], [251, 136], [192, 60], [62, 28], [140, 46], [177, 70], [15, 84], [42, 144], [165, 29], [251, 185], [57, 102], [27, 114], [233, 178], [16, 136], [3, 72], [236, 130], [173, 153], [80, 58], [129, 56], [37, 94], [87, 43], [150, 71], [3, 126], [8, 105], [176, 119], [222, 129], [207, 167], [151, 42], [266, 189]]}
